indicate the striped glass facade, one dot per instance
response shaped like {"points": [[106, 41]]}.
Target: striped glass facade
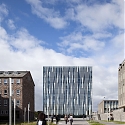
{"points": [[67, 90]]}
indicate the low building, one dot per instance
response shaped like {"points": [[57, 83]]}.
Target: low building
{"points": [[22, 91], [107, 106]]}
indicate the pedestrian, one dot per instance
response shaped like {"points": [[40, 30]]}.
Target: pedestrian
{"points": [[41, 119], [52, 119], [57, 119], [66, 118], [71, 119]]}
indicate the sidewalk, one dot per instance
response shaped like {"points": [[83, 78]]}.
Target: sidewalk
{"points": [[74, 123]]}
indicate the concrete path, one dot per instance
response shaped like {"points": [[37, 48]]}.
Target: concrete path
{"points": [[74, 123], [83, 122]]}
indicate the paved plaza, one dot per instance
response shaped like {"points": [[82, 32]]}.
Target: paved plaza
{"points": [[83, 122], [74, 123]]}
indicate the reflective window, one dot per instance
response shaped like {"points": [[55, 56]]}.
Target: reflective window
{"points": [[5, 102], [18, 81], [18, 92], [68, 90], [12, 81], [5, 81]]}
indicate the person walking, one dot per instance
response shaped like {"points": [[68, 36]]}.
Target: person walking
{"points": [[71, 119], [57, 119], [41, 119], [66, 119], [52, 119]]}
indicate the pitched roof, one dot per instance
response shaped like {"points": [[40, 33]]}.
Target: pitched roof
{"points": [[7, 74]]}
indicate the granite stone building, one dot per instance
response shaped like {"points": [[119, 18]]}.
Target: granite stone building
{"points": [[121, 85], [23, 92], [118, 113], [67, 90]]}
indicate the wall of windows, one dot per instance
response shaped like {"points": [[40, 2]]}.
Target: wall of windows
{"points": [[110, 105], [67, 90]]}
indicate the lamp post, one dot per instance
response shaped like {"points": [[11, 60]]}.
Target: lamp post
{"points": [[24, 114], [28, 111], [109, 111], [14, 110], [48, 109], [10, 103], [74, 107]]}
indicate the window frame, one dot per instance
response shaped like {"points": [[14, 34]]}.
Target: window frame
{"points": [[6, 112], [2, 112], [5, 81], [17, 102], [12, 81], [18, 81], [5, 102], [17, 92], [6, 92]]}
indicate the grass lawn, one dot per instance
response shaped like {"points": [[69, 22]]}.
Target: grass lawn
{"points": [[118, 122], [94, 123]]}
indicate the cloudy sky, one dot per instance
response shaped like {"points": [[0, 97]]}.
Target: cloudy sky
{"points": [[37, 33]]}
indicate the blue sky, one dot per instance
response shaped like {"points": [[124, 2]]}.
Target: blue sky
{"points": [[57, 32]]}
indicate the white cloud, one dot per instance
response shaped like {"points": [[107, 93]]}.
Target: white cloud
{"points": [[76, 41], [3, 11], [35, 56], [10, 24], [70, 14], [49, 15], [23, 41], [118, 40], [22, 51], [98, 17], [102, 21], [100, 35], [3, 34], [52, 2]]}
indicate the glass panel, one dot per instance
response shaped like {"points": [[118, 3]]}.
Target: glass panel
{"points": [[18, 81], [5, 81]]}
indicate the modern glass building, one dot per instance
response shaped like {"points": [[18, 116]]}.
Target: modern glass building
{"points": [[67, 90]]}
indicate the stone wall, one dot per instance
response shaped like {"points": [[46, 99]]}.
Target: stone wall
{"points": [[119, 115], [95, 117], [104, 116]]}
